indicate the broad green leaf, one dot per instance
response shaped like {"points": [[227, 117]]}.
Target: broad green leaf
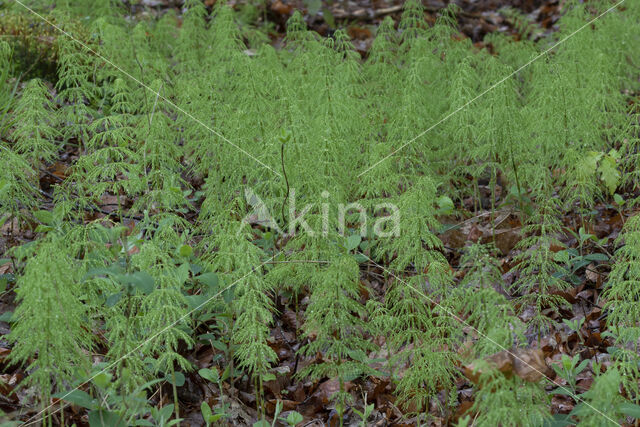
{"points": [[78, 398], [195, 268], [268, 377], [113, 299], [328, 17], [104, 418], [165, 412], [294, 418], [216, 417], [597, 257], [205, 409], [313, 6], [609, 173], [581, 366], [219, 345], [353, 241], [102, 380], [209, 375], [180, 379], [140, 280], [106, 271], [630, 409], [182, 273], [209, 279], [228, 295], [559, 420], [185, 251], [360, 258], [44, 217], [445, 204], [207, 337], [195, 301], [590, 163]]}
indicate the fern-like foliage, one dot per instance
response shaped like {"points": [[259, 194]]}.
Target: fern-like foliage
{"points": [[622, 298], [35, 133], [166, 310], [112, 164], [49, 333], [335, 321], [17, 184], [417, 313], [603, 399], [202, 137], [239, 264], [76, 88], [6, 89], [486, 309], [508, 401], [539, 264]]}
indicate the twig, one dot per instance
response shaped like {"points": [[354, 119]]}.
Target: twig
{"points": [[364, 13], [301, 261]]}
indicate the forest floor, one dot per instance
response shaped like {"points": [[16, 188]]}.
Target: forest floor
{"points": [[582, 322], [361, 17]]}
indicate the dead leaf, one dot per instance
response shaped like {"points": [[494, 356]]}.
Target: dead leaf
{"points": [[281, 8], [453, 238], [7, 385], [359, 33], [506, 240], [527, 363], [4, 268], [562, 404], [591, 274], [475, 233]]}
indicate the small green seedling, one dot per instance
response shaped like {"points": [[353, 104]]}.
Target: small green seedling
{"points": [[569, 369]]}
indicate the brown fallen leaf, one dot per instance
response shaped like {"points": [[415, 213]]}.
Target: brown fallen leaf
{"points": [[59, 170], [562, 404], [4, 353], [591, 274], [527, 363], [505, 239], [462, 410], [530, 365], [287, 405], [475, 233], [453, 238], [7, 385], [359, 33], [5, 268], [281, 8]]}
